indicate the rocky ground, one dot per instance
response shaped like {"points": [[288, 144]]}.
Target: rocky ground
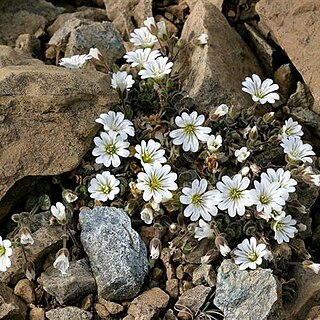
{"points": [[47, 123]]}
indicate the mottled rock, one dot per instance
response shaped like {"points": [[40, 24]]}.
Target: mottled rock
{"points": [[193, 299], [120, 270], [49, 115], [72, 287], [284, 77], [204, 274], [307, 293], [295, 26], [314, 313], [148, 305], [125, 14], [11, 307], [112, 307], [25, 290], [46, 240], [212, 74], [101, 35], [37, 314], [14, 57], [29, 43], [172, 288], [68, 313], [101, 310], [255, 293], [87, 302], [24, 16]]}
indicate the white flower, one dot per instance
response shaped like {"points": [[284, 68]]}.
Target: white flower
{"points": [[59, 212], [143, 38], [291, 129], [203, 38], [25, 236], [115, 122], [283, 178], [214, 143], [260, 92], [96, 54], [283, 227], [158, 29], [201, 204], [249, 254], [203, 231], [297, 150], [109, 148], [104, 186], [157, 182], [121, 81], [147, 215], [156, 69], [267, 196], [233, 194], [162, 31], [149, 152], [140, 56], [74, 62], [224, 249], [150, 23], [190, 131], [5, 253], [242, 154], [62, 261]]}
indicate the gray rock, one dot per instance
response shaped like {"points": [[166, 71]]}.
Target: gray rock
{"points": [[212, 74], [11, 307], [204, 274], [46, 240], [100, 35], [117, 255], [30, 16], [72, 287], [247, 295], [68, 313], [193, 299]]}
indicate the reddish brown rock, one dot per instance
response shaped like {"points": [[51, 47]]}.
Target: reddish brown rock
{"points": [[295, 26]]}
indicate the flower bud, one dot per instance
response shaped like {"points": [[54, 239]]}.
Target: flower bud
{"points": [[96, 54], [134, 190], [69, 196], [222, 245], [301, 227], [25, 236], [210, 256], [147, 215], [253, 134], [219, 112], [62, 261], [173, 228], [315, 267], [44, 202], [155, 248], [202, 39], [29, 270], [255, 168], [268, 117], [244, 171], [150, 23]]}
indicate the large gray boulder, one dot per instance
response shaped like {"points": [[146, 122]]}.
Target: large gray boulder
{"points": [[117, 255]]}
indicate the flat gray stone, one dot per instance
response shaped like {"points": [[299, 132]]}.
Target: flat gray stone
{"points": [[70, 288], [68, 313], [247, 295], [117, 255]]}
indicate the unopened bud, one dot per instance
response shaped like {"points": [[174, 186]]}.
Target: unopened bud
{"points": [[253, 134], [268, 117], [69, 196], [29, 270], [134, 190], [96, 54], [218, 112], [222, 245], [62, 261], [315, 267], [147, 215], [301, 227], [150, 23], [44, 202], [173, 227], [210, 256], [155, 248], [25, 236], [255, 168], [245, 171]]}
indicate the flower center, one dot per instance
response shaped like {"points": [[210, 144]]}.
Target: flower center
{"points": [[189, 129], [106, 189], [196, 199], [154, 183], [235, 194], [111, 149], [252, 256], [146, 157], [258, 93], [264, 199], [279, 226], [2, 251]]}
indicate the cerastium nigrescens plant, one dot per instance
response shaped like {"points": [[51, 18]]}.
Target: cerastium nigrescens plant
{"points": [[230, 176]]}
